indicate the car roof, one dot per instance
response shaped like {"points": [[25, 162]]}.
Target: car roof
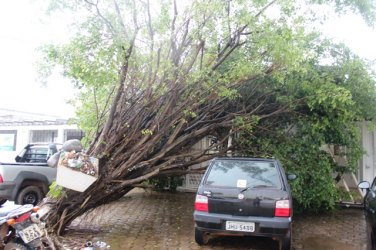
{"points": [[245, 159], [36, 144]]}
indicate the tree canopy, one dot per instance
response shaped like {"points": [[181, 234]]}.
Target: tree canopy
{"points": [[156, 78]]}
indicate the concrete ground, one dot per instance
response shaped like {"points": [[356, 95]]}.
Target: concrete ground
{"points": [[148, 220]]}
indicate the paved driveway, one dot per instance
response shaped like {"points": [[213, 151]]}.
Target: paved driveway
{"points": [[146, 220]]}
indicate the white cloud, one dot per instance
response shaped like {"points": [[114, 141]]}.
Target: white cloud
{"points": [[351, 30], [21, 33]]}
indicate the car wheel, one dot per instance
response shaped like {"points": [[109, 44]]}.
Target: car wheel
{"points": [[286, 242], [15, 246], [201, 237], [29, 195], [2, 201]]}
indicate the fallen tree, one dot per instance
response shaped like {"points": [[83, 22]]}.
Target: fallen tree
{"points": [[163, 107], [182, 73]]}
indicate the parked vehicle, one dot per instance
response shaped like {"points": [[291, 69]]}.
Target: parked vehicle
{"points": [[25, 183], [244, 196], [19, 227], [370, 209], [27, 180]]}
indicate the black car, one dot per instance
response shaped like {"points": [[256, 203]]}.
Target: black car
{"points": [[244, 196], [370, 210]]}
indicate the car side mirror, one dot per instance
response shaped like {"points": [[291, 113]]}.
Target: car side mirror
{"points": [[364, 185], [291, 177]]}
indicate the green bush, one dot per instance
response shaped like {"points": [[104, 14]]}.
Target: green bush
{"points": [[165, 183]]}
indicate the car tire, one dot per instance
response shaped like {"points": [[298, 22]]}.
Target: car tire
{"points": [[15, 246], [286, 242], [30, 195], [201, 237]]}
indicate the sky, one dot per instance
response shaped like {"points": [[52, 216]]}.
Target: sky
{"points": [[352, 30], [22, 31]]}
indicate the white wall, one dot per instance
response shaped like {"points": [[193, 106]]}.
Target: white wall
{"points": [[367, 163]]}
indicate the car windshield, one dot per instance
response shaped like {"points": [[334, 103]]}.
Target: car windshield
{"points": [[243, 174]]}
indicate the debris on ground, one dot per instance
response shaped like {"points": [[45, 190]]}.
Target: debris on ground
{"points": [[89, 245], [80, 162]]}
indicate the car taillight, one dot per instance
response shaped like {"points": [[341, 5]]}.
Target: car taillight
{"points": [[201, 203], [282, 208], [1, 179]]}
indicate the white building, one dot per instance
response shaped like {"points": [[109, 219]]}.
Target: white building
{"points": [[366, 169], [20, 128], [367, 164]]}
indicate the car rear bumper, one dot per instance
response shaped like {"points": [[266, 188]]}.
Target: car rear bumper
{"points": [[6, 190], [274, 227]]}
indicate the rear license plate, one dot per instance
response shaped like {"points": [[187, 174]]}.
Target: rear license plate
{"points": [[240, 226], [30, 233]]}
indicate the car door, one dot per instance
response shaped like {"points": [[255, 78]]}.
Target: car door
{"points": [[370, 207]]}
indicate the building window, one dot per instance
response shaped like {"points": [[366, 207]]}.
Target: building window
{"points": [[71, 134], [8, 140], [43, 136]]}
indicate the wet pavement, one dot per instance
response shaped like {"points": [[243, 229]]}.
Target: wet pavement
{"points": [[344, 229], [148, 220]]}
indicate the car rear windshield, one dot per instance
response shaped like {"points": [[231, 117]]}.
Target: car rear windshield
{"points": [[36, 153], [243, 174]]}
